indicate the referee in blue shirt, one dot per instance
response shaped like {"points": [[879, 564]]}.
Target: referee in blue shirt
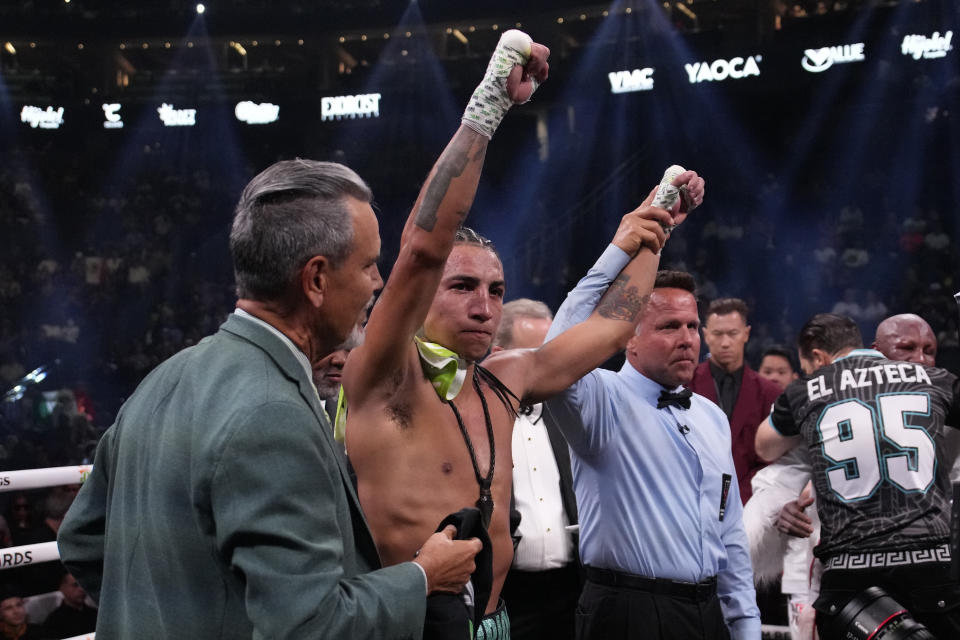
{"points": [[661, 533]]}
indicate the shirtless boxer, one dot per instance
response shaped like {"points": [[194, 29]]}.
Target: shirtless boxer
{"points": [[421, 449]]}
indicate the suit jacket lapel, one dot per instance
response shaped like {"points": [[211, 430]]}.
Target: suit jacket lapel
{"points": [[562, 455], [287, 363], [747, 400]]}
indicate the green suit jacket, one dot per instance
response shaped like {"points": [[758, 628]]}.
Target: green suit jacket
{"points": [[219, 506]]}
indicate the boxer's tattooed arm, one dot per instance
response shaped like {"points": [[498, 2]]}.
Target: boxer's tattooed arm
{"points": [[451, 165], [621, 301]]}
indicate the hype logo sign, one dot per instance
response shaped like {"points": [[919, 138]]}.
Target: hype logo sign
{"points": [[818, 60]]}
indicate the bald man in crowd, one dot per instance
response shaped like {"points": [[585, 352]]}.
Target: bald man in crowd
{"points": [[906, 337]]}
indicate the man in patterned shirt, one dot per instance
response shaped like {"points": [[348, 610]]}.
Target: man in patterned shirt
{"points": [[875, 429]]}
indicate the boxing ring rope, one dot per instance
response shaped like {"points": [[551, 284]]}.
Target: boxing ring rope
{"points": [[40, 478], [29, 554]]}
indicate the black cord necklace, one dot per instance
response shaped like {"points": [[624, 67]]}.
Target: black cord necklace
{"points": [[485, 502]]}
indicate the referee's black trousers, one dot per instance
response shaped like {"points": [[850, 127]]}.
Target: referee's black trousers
{"points": [[608, 612]]}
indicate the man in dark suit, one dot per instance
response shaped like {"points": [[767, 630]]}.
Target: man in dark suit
{"points": [[543, 584], [73, 617], [727, 380], [219, 505]]}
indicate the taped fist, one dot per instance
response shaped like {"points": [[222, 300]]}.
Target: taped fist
{"points": [[516, 68]]}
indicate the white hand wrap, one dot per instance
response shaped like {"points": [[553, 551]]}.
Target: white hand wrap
{"points": [[490, 102], [667, 194]]}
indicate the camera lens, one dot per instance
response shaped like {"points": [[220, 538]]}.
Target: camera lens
{"points": [[872, 614]]}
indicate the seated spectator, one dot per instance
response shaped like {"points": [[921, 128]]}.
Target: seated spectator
{"points": [[13, 617], [874, 310], [45, 577], [849, 306], [73, 617], [19, 517], [936, 239]]}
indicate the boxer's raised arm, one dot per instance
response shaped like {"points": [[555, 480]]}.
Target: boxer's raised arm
{"points": [[516, 67]]}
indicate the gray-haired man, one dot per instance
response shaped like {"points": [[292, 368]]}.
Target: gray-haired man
{"points": [[219, 505]]}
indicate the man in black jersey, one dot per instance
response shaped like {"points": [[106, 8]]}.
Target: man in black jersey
{"points": [[875, 429]]}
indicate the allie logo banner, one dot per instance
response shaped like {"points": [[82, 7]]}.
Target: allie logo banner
{"points": [[818, 60]]}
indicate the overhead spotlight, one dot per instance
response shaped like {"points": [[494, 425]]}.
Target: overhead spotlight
{"points": [[559, 20], [33, 45], [342, 39], [80, 46], [605, 13], [10, 48], [189, 45], [459, 36], [629, 10], [386, 36], [166, 45], [408, 34], [145, 45], [255, 43], [495, 27], [123, 46], [449, 30], [200, 8], [583, 16], [363, 37], [300, 42], [238, 48], [276, 43]]}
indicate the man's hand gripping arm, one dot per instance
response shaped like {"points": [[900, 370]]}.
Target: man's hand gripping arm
{"points": [[601, 313]]}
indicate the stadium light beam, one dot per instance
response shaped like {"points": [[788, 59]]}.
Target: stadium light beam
{"points": [[201, 8]]}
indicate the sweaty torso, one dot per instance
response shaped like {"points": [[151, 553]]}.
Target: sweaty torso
{"points": [[414, 469]]}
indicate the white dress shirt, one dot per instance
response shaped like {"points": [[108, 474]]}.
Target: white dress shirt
{"points": [[545, 543]]}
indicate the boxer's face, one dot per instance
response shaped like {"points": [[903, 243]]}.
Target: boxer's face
{"points": [[466, 309], [666, 345]]}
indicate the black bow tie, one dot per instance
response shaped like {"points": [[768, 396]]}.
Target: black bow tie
{"points": [[680, 399]]}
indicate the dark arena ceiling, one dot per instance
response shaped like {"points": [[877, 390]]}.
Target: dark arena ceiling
{"points": [[77, 49]]}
